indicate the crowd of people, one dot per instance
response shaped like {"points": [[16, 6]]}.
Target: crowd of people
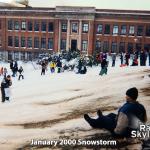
{"points": [[55, 63]]}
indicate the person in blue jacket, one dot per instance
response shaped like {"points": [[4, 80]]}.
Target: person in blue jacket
{"points": [[127, 119]]}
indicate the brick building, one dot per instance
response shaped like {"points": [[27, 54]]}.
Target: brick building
{"points": [[27, 32]]}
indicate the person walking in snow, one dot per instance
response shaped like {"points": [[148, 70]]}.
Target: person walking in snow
{"points": [[43, 68], [104, 65], [59, 66], [121, 58], [128, 118], [20, 70], [143, 58], [127, 57], [5, 91], [113, 59]]}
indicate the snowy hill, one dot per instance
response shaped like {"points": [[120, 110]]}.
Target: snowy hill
{"points": [[52, 106]]}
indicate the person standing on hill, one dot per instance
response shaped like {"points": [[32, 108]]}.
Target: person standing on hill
{"points": [[20, 70], [5, 91], [43, 68], [104, 65]]}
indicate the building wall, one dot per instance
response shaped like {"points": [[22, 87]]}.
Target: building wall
{"points": [[88, 16]]}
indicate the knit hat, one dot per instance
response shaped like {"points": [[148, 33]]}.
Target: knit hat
{"points": [[132, 93]]}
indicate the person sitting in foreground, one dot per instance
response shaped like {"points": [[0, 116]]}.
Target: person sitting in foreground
{"points": [[125, 121]]}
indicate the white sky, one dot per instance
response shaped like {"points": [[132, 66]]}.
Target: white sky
{"points": [[104, 4], [108, 4]]}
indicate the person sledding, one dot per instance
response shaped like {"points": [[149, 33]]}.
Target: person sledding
{"points": [[127, 119]]}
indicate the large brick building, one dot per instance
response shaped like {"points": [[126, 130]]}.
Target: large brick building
{"points": [[26, 32]]}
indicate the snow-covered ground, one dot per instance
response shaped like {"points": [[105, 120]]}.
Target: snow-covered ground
{"points": [[52, 106]]}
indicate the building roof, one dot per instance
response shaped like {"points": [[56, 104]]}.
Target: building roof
{"points": [[98, 4]]}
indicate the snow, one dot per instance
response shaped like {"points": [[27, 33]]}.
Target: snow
{"points": [[63, 98]]}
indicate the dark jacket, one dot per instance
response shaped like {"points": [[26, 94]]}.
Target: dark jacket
{"points": [[128, 116], [104, 64], [6, 83]]}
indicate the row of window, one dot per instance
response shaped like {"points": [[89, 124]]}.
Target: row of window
{"points": [[27, 42], [29, 26], [23, 25], [115, 47], [122, 30]]}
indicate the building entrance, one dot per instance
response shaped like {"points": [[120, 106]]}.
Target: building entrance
{"points": [[73, 44]]}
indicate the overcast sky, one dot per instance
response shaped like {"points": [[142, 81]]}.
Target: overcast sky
{"points": [[114, 4], [104, 4]]}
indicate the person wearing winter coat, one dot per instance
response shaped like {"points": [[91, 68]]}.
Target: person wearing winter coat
{"points": [[128, 118], [5, 84], [20, 70], [143, 58], [127, 57], [113, 59], [43, 68], [59, 66], [52, 67], [11, 64], [121, 58], [104, 65]]}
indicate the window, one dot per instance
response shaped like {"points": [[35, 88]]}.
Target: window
{"points": [[23, 42], [23, 25], [29, 26], [131, 30], [16, 25], [130, 47], [64, 27], [84, 45], [0, 24], [115, 30], [43, 42], [36, 42], [122, 47], [36, 26], [10, 41], [29, 42], [50, 27], [75, 27], [22, 55], [107, 29], [50, 43], [106, 46], [85, 28], [0, 40], [140, 30], [138, 46], [10, 25], [147, 47], [43, 26], [114, 47], [63, 45], [16, 41], [16, 55], [123, 29], [148, 30], [98, 45], [99, 28]]}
